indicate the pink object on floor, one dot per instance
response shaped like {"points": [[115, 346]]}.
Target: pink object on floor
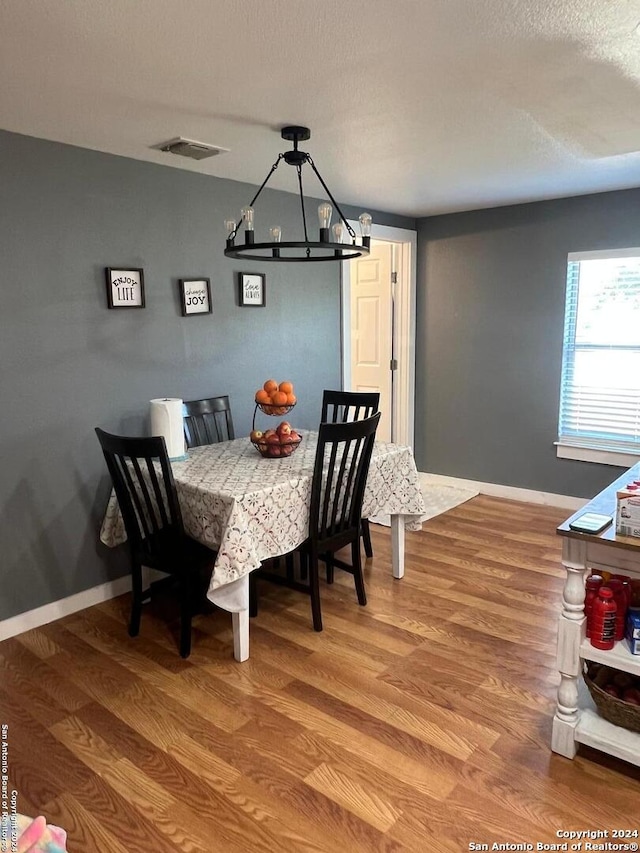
{"points": [[34, 835]]}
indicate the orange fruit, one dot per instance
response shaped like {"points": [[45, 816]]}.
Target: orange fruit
{"points": [[287, 387], [291, 399], [270, 386], [262, 396], [279, 398]]}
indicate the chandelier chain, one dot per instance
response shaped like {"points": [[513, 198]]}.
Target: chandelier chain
{"points": [[304, 215], [262, 186], [352, 233]]}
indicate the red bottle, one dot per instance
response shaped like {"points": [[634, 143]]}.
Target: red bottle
{"points": [[603, 619], [594, 582], [620, 598], [626, 585]]}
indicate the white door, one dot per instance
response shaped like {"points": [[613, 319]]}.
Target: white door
{"points": [[372, 329], [401, 245]]}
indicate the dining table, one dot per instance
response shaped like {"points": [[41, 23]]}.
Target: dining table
{"points": [[249, 509]]}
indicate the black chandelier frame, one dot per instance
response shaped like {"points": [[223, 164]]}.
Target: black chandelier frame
{"points": [[341, 251]]}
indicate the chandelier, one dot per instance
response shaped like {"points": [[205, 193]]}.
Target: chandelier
{"points": [[331, 245]]}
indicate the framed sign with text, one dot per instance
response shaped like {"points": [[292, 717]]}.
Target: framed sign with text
{"points": [[125, 288], [195, 294], [253, 289]]}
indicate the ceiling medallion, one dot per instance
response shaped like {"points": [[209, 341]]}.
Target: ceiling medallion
{"points": [[329, 246]]}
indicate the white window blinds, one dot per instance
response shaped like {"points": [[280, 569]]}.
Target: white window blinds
{"points": [[600, 391]]}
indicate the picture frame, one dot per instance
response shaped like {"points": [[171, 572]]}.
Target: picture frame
{"points": [[253, 289], [195, 295], [125, 287]]}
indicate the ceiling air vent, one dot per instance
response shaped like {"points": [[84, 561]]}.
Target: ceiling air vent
{"points": [[190, 148]]}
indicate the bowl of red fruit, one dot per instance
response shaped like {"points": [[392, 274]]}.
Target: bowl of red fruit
{"points": [[276, 443]]}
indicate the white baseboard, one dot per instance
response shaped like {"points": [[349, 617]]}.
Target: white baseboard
{"points": [[66, 606], [511, 492]]}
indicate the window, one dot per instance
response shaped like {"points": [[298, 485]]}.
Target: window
{"points": [[600, 390]]}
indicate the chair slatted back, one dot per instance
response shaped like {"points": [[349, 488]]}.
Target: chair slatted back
{"points": [[147, 497], [207, 421], [344, 406], [339, 478]]}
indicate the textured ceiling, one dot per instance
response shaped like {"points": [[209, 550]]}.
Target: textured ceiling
{"points": [[415, 106]]}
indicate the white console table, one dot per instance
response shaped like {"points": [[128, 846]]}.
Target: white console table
{"points": [[576, 719]]}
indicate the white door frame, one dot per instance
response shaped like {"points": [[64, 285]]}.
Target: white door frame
{"points": [[404, 331]]}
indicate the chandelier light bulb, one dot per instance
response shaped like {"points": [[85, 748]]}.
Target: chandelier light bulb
{"points": [[324, 218], [324, 214], [337, 238], [247, 218], [365, 229], [230, 228], [275, 233], [365, 224]]}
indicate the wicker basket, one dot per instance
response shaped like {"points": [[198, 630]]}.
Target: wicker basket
{"points": [[614, 710]]}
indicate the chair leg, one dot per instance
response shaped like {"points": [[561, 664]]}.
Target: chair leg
{"points": [[185, 617], [357, 572], [288, 562], [366, 538], [253, 594], [304, 565], [329, 561], [136, 600], [314, 590]]}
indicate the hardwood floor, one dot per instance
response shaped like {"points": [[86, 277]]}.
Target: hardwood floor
{"points": [[421, 722]]}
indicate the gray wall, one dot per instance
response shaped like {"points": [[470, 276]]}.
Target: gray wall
{"points": [[70, 364], [491, 289]]}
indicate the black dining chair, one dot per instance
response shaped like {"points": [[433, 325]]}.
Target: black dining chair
{"points": [[143, 482], [340, 407], [207, 421], [339, 478]]}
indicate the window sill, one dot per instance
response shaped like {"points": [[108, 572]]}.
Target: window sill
{"points": [[598, 455]]}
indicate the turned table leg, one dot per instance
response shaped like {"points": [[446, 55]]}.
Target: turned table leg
{"points": [[571, 631]]}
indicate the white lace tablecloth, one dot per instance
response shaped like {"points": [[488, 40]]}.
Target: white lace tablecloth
{"points": [[250, 509]]}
